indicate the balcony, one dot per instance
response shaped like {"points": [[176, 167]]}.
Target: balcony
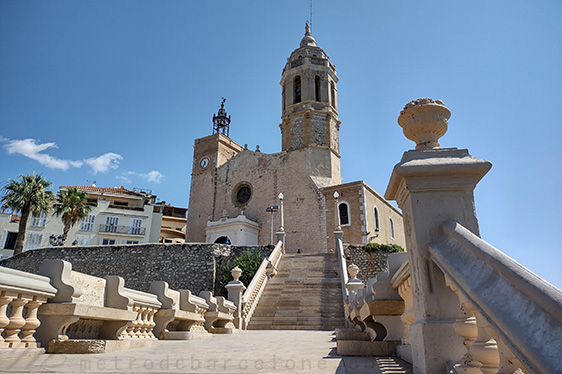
{"points": [[127, 230]]}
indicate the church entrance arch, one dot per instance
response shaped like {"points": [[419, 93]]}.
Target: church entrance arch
{"points": [[223, 240]]}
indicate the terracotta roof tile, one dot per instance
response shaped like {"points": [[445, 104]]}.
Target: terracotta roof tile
{"points": [[119, 190]]}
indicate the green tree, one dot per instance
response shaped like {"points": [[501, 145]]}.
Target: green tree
{"points": [[72, 206], [29, 195]]}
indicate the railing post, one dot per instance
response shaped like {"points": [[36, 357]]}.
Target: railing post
{"points": [[430, 185], [235, 289]]}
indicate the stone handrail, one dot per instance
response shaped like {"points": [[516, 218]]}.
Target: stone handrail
{"points": [[343, 268], [523, 311], [77, 311], [182, 314], [144, 304], [21, 289], [255, 289], [220, 315]]}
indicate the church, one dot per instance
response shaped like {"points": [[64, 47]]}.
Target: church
{"points": [[242, 197]]}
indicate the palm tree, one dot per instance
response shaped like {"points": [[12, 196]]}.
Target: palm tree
{"points": [[29, 195], [72, 205]]}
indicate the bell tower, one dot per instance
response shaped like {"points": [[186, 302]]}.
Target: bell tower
{"points": [[310, 108]]}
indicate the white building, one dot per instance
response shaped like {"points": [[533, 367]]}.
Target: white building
{"points": [[118, 216]]}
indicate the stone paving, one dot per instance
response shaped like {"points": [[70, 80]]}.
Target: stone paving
{"points": [[242, 352]]}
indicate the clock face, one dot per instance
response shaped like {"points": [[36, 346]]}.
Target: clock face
{"points": [[204, 162]]}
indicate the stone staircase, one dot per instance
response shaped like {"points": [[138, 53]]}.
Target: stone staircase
{"points": [[304, 295]]}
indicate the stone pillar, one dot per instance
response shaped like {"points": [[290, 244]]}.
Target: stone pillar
{"points": [[235, 289], [430, 185]]}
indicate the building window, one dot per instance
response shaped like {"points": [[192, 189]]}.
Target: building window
{"points": [[333, 94], [33, 240], [242, 194], [135, 227], [111, 224], [317, 88], [87, 223], [132, 242], [297, 90], [377, 221], [40, 220], [391, 228], [344, 213], [104, 241]]}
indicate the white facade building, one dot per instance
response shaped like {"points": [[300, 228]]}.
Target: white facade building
{"points": [[118, 216]]}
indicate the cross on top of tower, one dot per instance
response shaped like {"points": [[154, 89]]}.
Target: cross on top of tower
{"points": [[221, 121]]}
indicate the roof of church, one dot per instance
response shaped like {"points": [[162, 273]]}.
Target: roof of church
{"points": [[114, 190]]}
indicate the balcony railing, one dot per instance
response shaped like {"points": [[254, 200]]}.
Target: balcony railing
{"points": [[128, 230]]}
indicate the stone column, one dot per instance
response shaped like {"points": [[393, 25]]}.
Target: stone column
{"points": [[235, 289], [430, 185]]}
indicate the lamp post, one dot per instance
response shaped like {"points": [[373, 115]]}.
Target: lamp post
{"points": [[281, 232], [272, 209], [338, 223], [282, 227]]}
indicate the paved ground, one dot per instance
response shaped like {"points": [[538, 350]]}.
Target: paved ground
{"points": [[243, 352]]}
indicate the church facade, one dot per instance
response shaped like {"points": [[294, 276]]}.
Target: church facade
{"points": [[233, 187]]}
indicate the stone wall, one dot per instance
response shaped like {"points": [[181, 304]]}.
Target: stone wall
{"points": [[183, 266], [370, 263]]}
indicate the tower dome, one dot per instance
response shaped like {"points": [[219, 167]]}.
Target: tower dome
{"points": [[308, 40]]}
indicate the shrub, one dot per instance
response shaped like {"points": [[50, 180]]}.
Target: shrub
{"points": [[248, 261], [390, 248]]}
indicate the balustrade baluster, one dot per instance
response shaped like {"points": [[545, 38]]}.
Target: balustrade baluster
{"points": [[466, 327], [484, 349], [5, 299], [16, 322], [31, 322]]}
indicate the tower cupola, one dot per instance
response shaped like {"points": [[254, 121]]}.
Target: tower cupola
{"points": [[309, 98], [221, 122]]}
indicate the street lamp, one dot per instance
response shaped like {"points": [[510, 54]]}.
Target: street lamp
{"points": [[282, 227], [338, 223], [272, 209]]}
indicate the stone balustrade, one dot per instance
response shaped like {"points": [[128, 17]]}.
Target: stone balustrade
{"points": [[23, 293], [77, 319], [255, 289], [377, 308], [182, 315], [469, 308], [220, 315], [499, 327], [144, 304]]}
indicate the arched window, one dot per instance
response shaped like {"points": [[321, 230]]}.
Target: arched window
{"points": [[377, 221], [391, 227], [297, 90], [283, 97], [333, 94], [344, 213], [317, 88]]}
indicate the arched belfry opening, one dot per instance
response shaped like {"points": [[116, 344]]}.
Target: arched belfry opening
{"points": [[221, 122], [297, 90]]}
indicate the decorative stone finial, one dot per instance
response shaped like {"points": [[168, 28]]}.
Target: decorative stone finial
{"points": [[308, 40], [424, 121], [236, 273], [353, 270]]}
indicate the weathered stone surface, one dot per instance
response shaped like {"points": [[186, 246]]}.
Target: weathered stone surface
{"points": [[366, 348], [184, 266], [369, 263]]}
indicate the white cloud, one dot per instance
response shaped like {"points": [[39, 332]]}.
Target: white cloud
{"points": [[152, 176], [104, 162], [29, 148]]}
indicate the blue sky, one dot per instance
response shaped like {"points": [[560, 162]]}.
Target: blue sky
{"points": [[117, 91]]}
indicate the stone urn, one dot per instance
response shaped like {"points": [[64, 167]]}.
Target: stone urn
{"points": [[424, 121], [236, 273]]}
